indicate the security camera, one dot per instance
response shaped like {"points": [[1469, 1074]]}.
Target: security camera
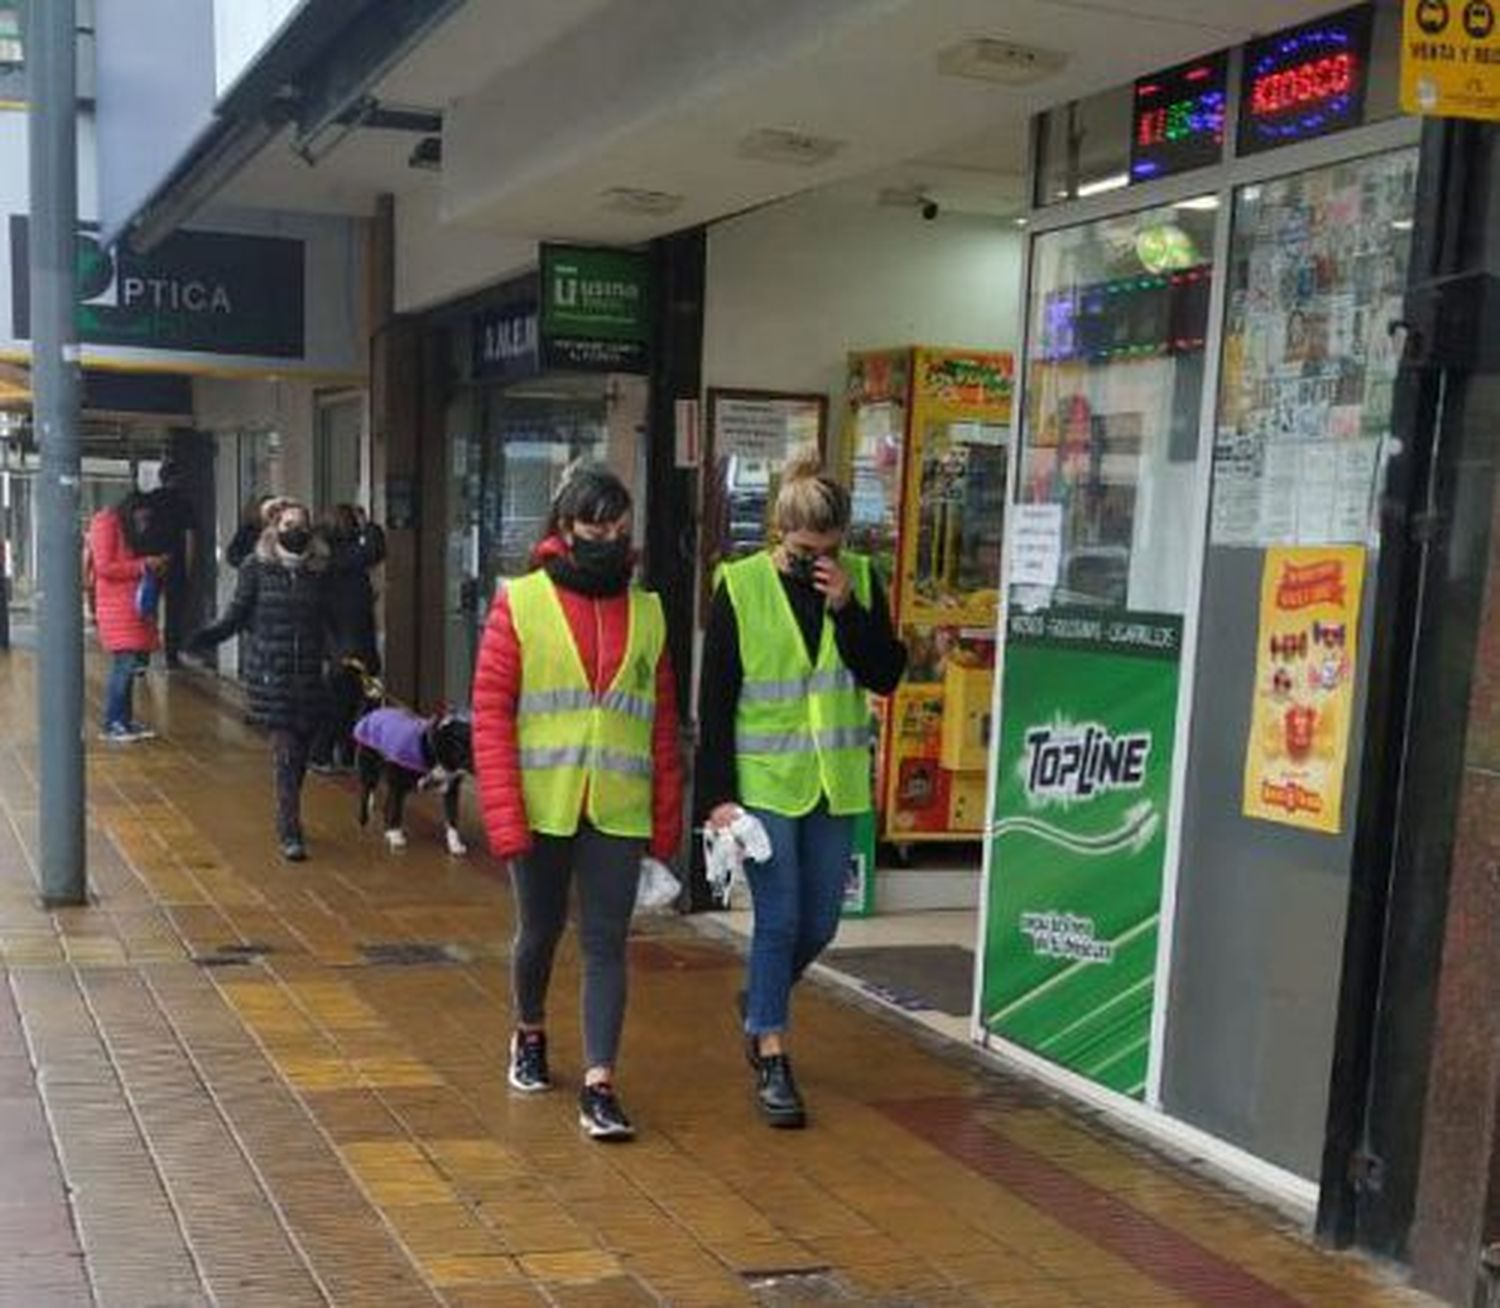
{"points": [[929, 210]]}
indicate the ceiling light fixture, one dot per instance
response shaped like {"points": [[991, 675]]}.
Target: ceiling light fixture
{"points": [[1007, 62], [635, 199], [1199, 204], [777, 145], [1103, 185]]}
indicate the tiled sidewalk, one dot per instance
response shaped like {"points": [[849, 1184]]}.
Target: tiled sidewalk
{"points": [[232, 1082]]}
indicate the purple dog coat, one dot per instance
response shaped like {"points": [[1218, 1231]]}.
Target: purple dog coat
{"points": [[396, 736]]}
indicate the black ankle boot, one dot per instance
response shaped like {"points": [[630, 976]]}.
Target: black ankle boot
{"points": [[776, 1091]]}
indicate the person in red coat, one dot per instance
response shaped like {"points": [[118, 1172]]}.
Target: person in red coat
{"points": [[586, 555], [118, 563]]}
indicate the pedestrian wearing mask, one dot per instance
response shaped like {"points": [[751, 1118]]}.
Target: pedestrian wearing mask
{"points": [[575, 746], [283, 603], [798, 637], [255, 517]]}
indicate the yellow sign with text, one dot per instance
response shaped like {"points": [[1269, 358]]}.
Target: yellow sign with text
{"points": [[1450, 58], [1305, 670]]}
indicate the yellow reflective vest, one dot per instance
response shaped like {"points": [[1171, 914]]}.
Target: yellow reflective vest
{"points": [[580, 748], [802, 728]]}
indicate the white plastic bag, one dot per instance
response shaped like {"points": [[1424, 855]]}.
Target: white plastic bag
{"points": [[657, 889], [725, 850]]}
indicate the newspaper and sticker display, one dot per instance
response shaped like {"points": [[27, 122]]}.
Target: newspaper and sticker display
{"points": [[1309, 365]]}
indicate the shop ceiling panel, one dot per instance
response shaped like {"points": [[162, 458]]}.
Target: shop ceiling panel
{"points": [[658, 94]]}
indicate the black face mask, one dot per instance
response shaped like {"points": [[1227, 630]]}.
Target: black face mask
{"points": [[608, 560], [802, 568], [295, 540]]}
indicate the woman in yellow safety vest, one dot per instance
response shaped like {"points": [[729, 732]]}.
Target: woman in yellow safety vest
{"points": [[798, 637], [575, 749]]}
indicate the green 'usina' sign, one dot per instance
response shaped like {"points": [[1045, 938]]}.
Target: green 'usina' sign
{"points": [[596, 309], [1083, 787]]}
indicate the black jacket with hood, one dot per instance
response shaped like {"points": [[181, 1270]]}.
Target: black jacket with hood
{"points": [[286, 608], [351, 560]]}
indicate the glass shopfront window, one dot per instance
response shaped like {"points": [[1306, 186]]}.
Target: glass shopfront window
{"points": [[1114, 384]]}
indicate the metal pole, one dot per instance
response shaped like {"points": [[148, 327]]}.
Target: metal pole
{"points": [[52, 74]]}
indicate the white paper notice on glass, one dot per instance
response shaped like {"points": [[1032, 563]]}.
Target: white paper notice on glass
{"points": [[1036, 545]]}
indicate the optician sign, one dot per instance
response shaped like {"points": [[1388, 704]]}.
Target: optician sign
{"points": [[198, 292]]}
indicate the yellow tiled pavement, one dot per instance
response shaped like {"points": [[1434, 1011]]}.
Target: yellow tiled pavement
{"points": [[250, 1109]]}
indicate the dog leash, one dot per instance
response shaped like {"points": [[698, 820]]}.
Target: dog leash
{"points": [[373, 688]]}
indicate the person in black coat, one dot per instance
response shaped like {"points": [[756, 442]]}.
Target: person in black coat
{"points": [[253, 522], [356, 547], [284, 602], [173, 536]]}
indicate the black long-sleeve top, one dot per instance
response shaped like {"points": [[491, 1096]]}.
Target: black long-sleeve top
{"points": [[866, 641]]}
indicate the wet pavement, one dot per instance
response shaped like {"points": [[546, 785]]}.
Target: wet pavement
{"points": [[235, 1082]]}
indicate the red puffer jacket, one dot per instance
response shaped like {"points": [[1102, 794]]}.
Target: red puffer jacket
{"points": [[117, 573], [601, 628]]}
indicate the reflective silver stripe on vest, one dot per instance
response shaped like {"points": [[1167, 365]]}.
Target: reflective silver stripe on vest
{"points": [[628, 705], [554, 701], [581, 756], [773, 692], [799, 742], [538, 702]]}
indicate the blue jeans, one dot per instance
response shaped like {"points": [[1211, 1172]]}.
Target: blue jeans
{"points": [[798, 898], [118, 699]]}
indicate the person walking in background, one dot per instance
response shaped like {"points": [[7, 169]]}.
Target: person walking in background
{"points": [[798, 636], [575, 746], [254, 519], [356, 547], [119, 562], [283, 603], [174, 537]]}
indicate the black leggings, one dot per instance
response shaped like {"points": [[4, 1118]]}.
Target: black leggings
{"points": [[289, 752], [607, 869]]}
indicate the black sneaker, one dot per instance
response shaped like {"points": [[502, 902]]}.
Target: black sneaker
{"points": [[528, 1062], [294, 851], [600, 1114], [776, 1091]]}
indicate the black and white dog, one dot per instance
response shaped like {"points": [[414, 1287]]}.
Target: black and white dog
{"points": [[407, 753]]}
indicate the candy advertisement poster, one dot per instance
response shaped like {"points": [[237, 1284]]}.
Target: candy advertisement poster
{"points": [[1305, 667]]}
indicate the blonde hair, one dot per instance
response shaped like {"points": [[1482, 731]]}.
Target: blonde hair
{"points": [[808, 499]]}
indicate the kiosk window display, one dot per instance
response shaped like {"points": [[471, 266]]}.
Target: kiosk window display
{"points": [[1206, 406]]}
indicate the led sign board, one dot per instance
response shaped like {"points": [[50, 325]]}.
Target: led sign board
{"points": [[1306, 82], [1178, 121]]}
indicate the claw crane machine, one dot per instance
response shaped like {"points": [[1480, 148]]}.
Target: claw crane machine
{"points": [[926, 449]]}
